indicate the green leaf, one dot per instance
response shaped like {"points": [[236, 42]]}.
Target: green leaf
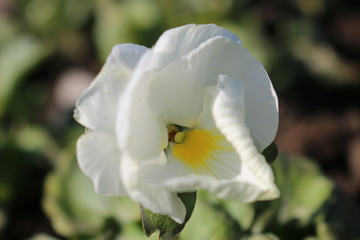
{"points": [[75, 209], [133, 231], [268, 236], [243, 213], [340, 215], [271, 153], [211, 221], [167, 227], [18, 56], [304, 189]]}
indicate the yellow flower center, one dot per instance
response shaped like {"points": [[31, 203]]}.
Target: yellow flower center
{"points": [[194, 147]]}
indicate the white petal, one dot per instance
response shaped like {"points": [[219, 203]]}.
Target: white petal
{"points": [[140, 132], [176, 92], [244, 186], [152, 197], [261, 103], [260, 98], [126, 55], [99, 158], [229, 114], [176, 95], [178, 42], [97, 106], [160, 200]]}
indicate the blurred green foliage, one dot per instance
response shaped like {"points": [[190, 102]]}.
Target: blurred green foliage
{"points": [[304, 210], [43, 194]]}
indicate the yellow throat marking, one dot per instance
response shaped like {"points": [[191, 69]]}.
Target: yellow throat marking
{"points": [[194, 147]]}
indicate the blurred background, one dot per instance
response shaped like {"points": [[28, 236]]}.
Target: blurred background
{"points": [[51, 50]]}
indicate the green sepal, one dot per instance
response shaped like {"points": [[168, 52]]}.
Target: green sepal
{"points": [[168, 228], [271, 152]]}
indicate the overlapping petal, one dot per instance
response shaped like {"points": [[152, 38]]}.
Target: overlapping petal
{"points": [[184, 81], [155, 198], [178, 42], [97, 107], [99, 158], [260, 100], [98, 153], [229, 115], [141, 133]]}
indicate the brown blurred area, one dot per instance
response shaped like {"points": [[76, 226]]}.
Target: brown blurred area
{"points": [[320, 115], [328, 135]]}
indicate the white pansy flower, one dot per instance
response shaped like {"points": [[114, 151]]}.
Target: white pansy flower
{"points": [[193, 112]]}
